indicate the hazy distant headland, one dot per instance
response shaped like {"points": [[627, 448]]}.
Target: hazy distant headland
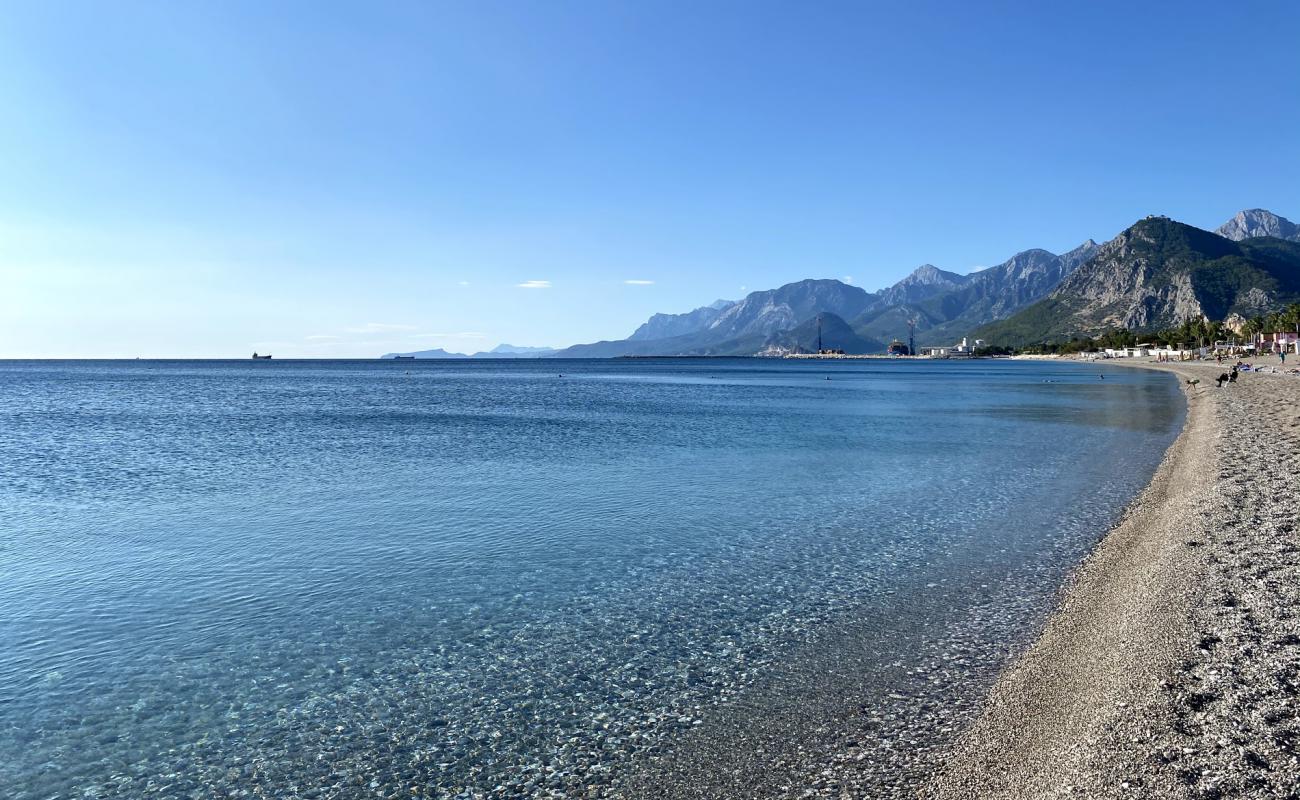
{"points": [[500, 351], [1157, 273]]}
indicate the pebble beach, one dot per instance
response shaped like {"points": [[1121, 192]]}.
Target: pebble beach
{"points": [[1171, 668]]}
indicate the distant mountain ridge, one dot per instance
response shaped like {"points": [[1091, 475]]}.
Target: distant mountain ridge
{"points": [[666, 326], [512, 351], [500, 351], [945, 305], [767, 312], [981, 297], [743, 327], [435, 353], [1156, 272]]}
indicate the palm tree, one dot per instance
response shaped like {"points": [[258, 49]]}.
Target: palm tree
{"points": [[1291, 316], [1215, 331]]}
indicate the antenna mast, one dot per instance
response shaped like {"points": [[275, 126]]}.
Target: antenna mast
{"points": [[819, 334]]}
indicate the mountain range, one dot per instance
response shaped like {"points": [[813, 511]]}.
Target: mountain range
{"points": [[944, 305], [500, 351], [1154, 274], [948, 312], [760, 322]]}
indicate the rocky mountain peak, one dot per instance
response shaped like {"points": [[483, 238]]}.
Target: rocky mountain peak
{"points": [[930, 275], [1155, 274], [1255, 222], [778, 309], [925, 281], [1072, 259]]}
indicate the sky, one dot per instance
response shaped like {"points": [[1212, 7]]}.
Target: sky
{"points": [[331, 179]]}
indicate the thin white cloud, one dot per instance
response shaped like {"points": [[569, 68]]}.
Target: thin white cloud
{"points": [[462, 283], [847, 279], [534, 285], [380, 327], [321, 337], [639, 283]]}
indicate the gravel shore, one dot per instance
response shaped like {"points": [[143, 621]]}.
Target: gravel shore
{"points": [[1172, 667]]}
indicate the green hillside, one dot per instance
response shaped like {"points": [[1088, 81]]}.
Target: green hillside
{"points": [[1153, 276]]}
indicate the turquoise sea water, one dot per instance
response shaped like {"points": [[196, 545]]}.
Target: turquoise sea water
{"points": [[367, 578]]}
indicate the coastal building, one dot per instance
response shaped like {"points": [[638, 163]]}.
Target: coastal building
{"points": [[1170, 353], [1278, 342], [963, 349], [898, 348], [1136, 351], [967, 347]]}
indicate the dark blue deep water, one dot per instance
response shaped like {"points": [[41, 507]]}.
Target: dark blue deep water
{"points": [[367, 578]]}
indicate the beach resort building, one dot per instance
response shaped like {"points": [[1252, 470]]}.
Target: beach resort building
{"points": [[1136, 351], [1279, 342]]}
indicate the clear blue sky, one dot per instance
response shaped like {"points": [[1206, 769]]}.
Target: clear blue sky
{"points": [[320, 179]]}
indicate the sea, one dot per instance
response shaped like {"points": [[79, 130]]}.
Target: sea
{"points": [[533, 578]]}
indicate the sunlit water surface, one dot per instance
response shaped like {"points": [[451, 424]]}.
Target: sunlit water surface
{"points": [[336, 578]]}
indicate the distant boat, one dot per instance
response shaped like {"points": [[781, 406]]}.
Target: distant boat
{"points": [[403, 358], [261, 358]]}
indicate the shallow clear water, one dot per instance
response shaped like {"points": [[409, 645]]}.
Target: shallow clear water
{"points": [[346, 576]]}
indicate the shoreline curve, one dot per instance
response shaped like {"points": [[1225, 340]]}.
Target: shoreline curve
{"points": [[1171, 666]]}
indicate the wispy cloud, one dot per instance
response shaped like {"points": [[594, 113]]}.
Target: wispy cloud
{"points": [[380, 327], [639, 283], [465, 335], [462, 283], [534, 285], [847, 279], [321, 337]]}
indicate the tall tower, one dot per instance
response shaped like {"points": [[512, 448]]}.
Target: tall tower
{"points": [[819, 334], [911, 336]]}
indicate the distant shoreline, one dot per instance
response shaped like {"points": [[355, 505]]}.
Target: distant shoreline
{"points": [[1162, 671], [529, 359]]}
